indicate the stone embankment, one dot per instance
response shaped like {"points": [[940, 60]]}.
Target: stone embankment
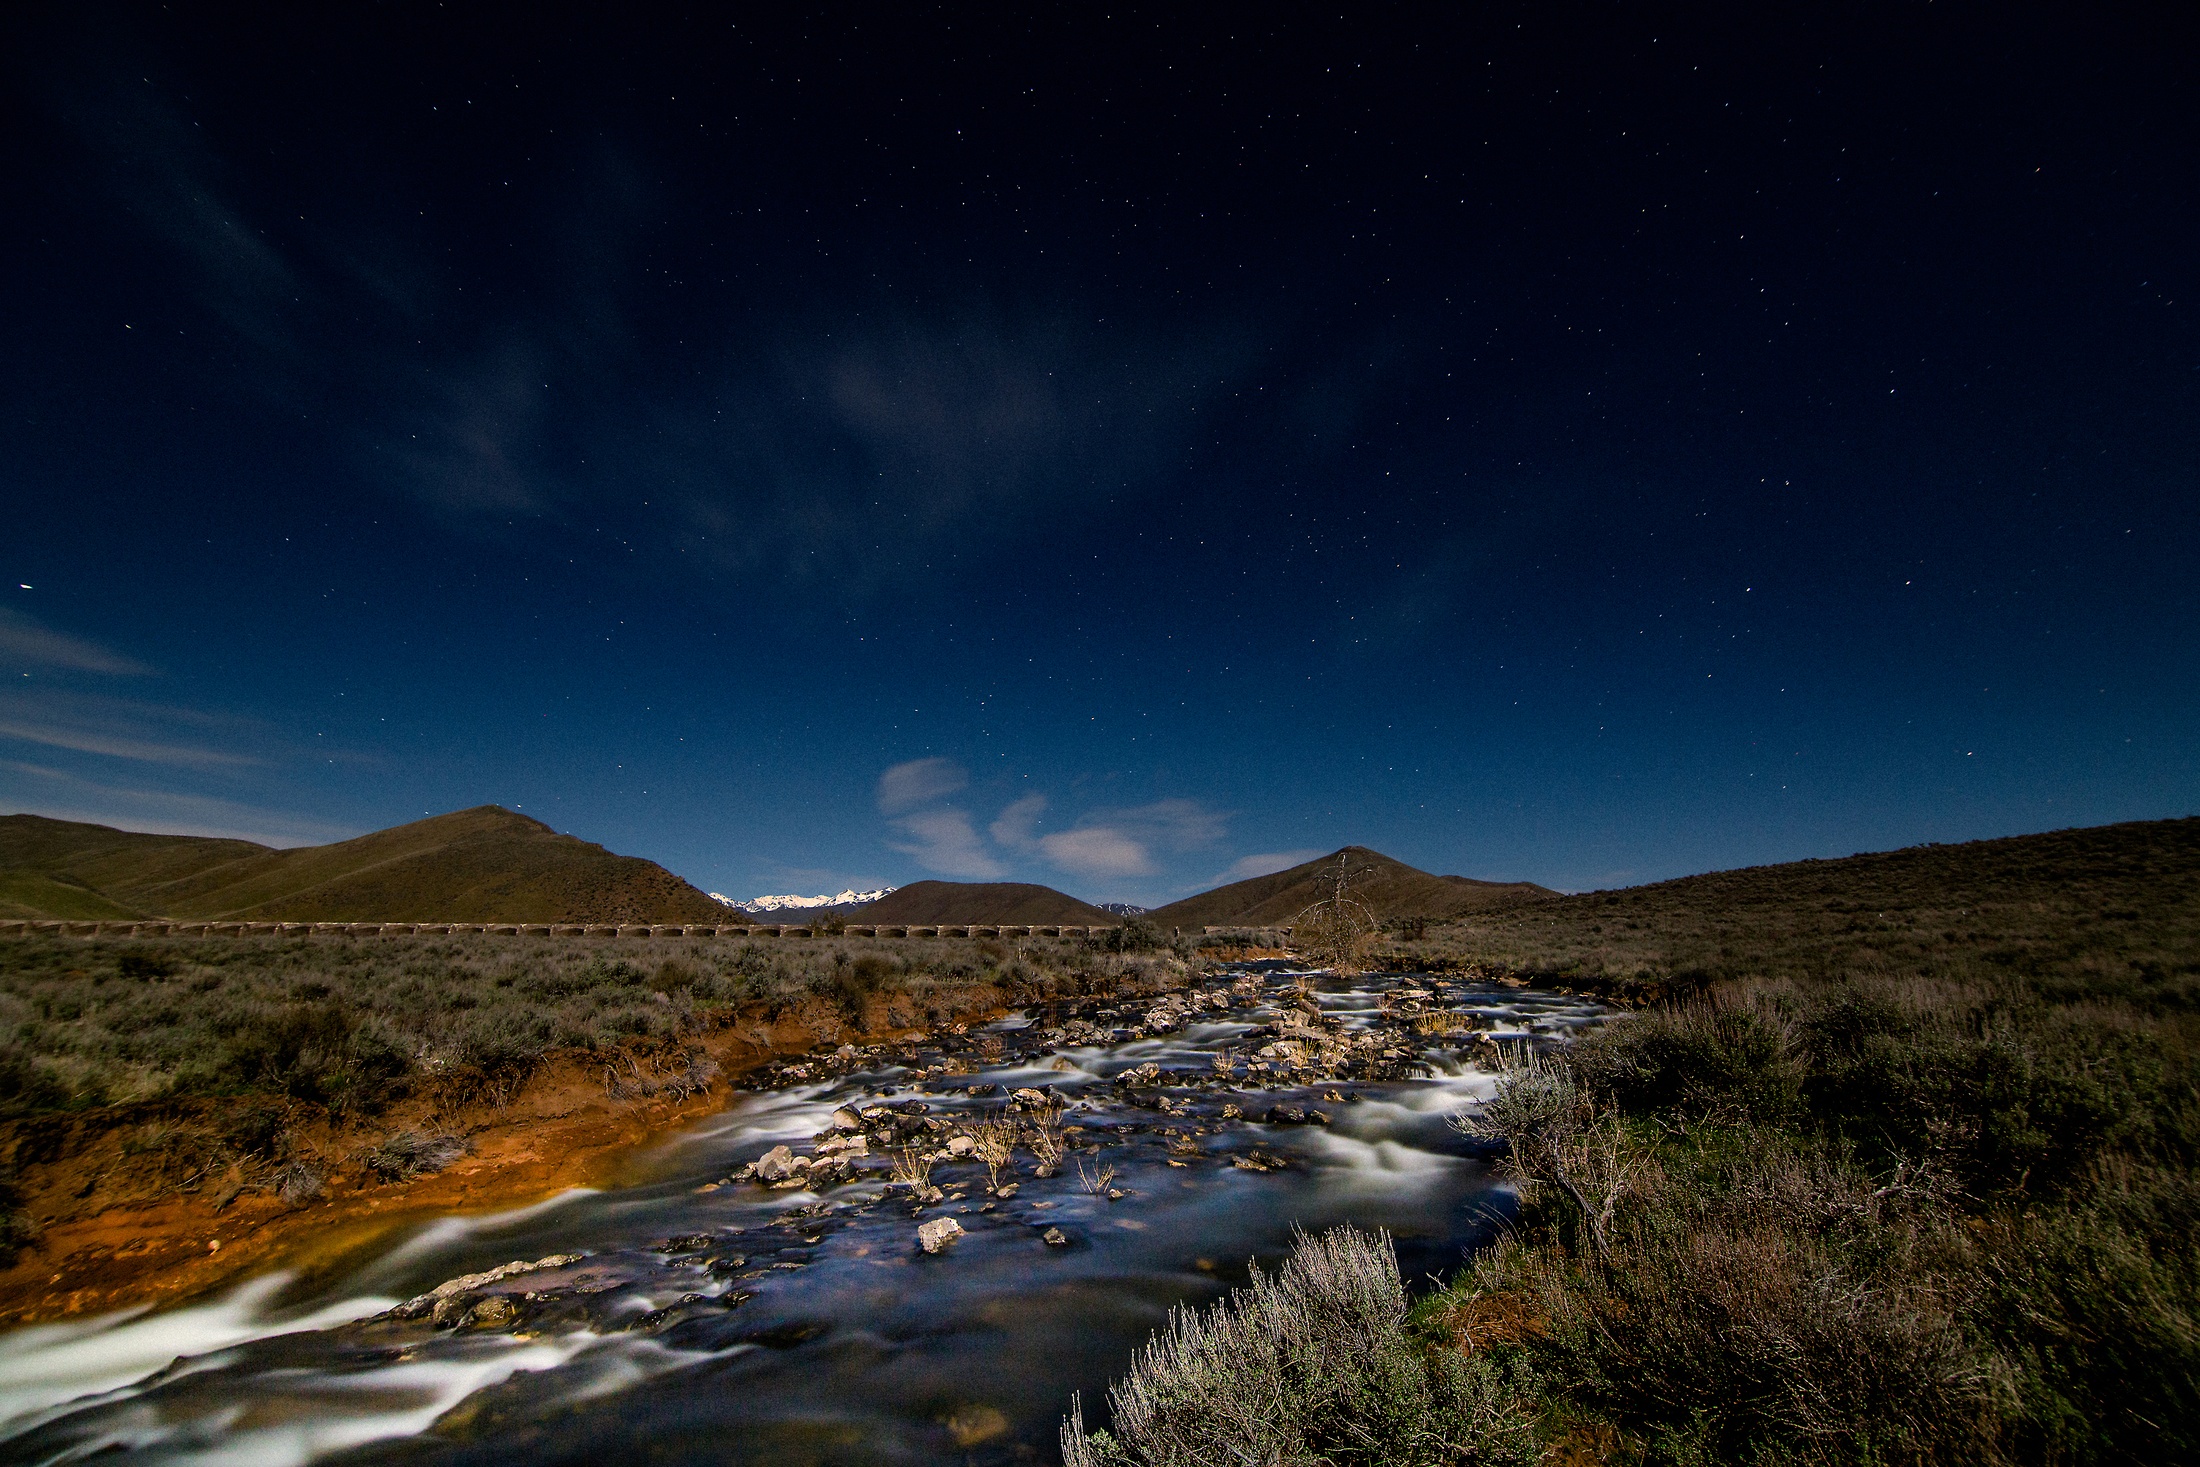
{"points": [[1268, 936]]}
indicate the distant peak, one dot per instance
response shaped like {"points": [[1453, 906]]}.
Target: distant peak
{"points": [[800, 903]]}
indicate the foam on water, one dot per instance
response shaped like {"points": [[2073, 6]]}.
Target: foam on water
{"points": [[294, 1416], [49, 1366]]}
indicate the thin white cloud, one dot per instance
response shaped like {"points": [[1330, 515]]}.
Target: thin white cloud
{"points": [[945, 842], [1016, 827], [1098, 850], [919, 782], [1267, 863], [1172, 824], [26, 641], [145, 751]]}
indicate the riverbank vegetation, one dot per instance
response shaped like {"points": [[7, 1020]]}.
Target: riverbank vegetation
{"points": [[1893, 1162]]}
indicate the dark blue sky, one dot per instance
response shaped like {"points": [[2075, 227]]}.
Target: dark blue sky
{"points": [[1115, 450]]}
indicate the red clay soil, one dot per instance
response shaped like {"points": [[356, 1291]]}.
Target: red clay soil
{"points": [[101, 1248]]}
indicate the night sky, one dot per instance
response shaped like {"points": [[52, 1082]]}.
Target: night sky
{"points": [[1118, 449]]}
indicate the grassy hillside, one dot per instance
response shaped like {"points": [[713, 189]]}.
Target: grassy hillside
{"points": [[1392, 888], [484, 864], [980, 901], [2074, 912]]}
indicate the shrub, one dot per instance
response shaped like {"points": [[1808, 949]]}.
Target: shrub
{"points": [[1314, 1365], [299, 1050], [1769, 1307], [1133, 935], [153, 964], [1706, 1056], [26, 1085]]}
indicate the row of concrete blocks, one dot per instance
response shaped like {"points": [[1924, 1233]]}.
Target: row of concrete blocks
{"points": [[1266, 936], [513, 929]]}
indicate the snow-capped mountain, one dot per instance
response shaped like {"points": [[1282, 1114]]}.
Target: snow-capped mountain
{"points": [[755, 905], [1123, 909]]}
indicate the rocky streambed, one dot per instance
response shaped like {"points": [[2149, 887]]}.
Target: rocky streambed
{"points": [[897, 1253]]}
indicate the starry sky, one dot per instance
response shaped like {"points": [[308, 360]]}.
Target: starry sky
{"points": [[1113, 447]]}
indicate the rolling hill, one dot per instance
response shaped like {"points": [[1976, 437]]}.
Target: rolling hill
{"points": [[480, 865], [980, 901], [2110, 906], [1391, 888]]}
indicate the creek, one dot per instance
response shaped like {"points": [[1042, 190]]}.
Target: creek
{"points": [[697, 1316]]}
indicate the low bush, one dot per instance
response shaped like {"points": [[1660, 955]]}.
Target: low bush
{"points": [[1316, 1364]]}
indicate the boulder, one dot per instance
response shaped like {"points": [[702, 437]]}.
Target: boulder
{"points": [[776, 1165], [936, 1235], [960, 1146], [845, 1119]]}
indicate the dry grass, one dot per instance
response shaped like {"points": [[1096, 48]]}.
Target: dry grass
{"points": [[995, 1138], [1043, 1133]]}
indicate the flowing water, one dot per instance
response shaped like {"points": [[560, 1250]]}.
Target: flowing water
{"points": [[743, 1323]]}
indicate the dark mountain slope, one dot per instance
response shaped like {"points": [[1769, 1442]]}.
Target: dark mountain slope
{"points": [[980, 901], [1391, 888], [479, 865]]}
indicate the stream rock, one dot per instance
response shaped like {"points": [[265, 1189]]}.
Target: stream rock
{"points": [[439, 1303], [775, 1165], [935, 1235]]}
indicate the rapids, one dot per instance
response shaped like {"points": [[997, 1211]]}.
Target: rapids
{"points": [[711, 1319]]}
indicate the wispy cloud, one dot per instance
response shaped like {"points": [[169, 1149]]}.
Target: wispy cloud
{"points": [[25, 641], [1266, 863], [918, 782], [126, 728], [1098, 850], [1016, 827], [1102, 845], [945, 842], [1120, 843], [85, 741]]}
